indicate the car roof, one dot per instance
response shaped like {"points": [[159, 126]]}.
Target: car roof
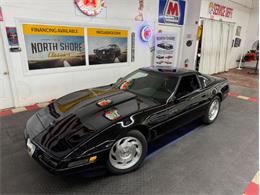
{"points": [[169, 71]]}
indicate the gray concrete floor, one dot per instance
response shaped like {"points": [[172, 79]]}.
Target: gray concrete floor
{"points": [[216, 159]]}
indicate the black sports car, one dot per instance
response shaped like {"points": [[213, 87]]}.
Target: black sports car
{"points": [[159, 57], [112, 126], [165, 46], [108, 53]]}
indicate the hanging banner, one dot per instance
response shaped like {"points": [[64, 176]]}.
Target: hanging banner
{"points": [[171, 12], [54, 46], [165, 49], [106, 46]]}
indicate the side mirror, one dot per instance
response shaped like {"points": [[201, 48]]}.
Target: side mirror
{"points": [[118, 80]]}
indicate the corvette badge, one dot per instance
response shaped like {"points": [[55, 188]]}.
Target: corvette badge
{"points": [[104, 102], [112, 114]]}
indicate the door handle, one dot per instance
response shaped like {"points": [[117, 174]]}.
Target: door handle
{"points": [[203, 96], [6, 73]]}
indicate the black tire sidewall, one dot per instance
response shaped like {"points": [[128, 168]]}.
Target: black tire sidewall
{"points": [[138, 135], [206, 119]]}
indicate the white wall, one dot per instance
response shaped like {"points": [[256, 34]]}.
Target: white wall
{"points": [[190, 33], [241, 15], [253, 26], [43, 85]]}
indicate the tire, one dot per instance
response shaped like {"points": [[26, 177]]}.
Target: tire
{"points": [[208, 117], [137, 142]]}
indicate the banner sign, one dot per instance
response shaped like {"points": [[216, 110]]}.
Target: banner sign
{"points": [[107, 46], [165, 49], [216, 9], [171, 12], [54, 46]]}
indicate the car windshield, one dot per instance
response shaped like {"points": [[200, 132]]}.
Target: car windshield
{"points": [[152, 85]]}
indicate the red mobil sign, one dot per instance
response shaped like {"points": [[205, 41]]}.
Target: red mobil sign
{"points": [[171, 11], [216, 9]]}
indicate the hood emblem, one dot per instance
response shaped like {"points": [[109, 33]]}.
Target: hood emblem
{"points": [[104, 102], [112, 114]]}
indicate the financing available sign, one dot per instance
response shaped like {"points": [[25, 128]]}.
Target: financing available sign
{"points": [[171, 12], [54, 46]]}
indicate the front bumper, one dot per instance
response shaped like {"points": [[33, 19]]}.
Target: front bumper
{"points": [[61, 167]]}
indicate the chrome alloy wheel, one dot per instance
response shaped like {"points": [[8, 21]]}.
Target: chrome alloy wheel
{"points": [[125, 153], [214, 109]]}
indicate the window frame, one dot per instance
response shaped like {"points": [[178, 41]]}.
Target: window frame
{"points": [[178, 84], [205, 78]]}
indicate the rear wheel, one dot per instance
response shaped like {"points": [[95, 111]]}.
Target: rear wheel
{"points": [[212, 111], [127, 153]]}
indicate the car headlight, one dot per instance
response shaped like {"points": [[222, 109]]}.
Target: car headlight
{"points": [[30, 147]]}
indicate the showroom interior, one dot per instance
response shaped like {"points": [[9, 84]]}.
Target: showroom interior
{"points": [[49, 49]]}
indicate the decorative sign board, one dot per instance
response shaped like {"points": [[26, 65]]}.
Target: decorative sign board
{"points": [[54, 46], [171, 12], [165, 49], [90, 7], [216, 9]]}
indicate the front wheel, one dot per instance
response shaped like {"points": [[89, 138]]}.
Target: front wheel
{"points": [[212, 111], [128, 153]]}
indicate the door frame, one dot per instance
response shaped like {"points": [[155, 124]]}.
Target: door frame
{"points": [[8, 60]]}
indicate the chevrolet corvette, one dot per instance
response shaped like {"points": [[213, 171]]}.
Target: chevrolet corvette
{"points": [[111, 126]]}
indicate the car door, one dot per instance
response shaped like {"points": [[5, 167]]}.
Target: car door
{"points": [[186, 105]]}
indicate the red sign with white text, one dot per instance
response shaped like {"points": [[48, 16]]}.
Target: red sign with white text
{"points": [[1, 15], [216, 9]]}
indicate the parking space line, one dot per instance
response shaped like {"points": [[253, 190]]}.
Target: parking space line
{"points": [[253, 187]]}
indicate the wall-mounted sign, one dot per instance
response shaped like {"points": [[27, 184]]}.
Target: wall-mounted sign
{"points": [[90, 7], [171, 12], [106, 46], [237, 42], [54, 46], [238, 31], [132, 47], [165, 49], [1, 15], [216, 9], [12, 36], [146, 33]]}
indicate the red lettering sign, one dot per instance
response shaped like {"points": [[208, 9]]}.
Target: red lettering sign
{"points": [[220, 10], [173, 9]]}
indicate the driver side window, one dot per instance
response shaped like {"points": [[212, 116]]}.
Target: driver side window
{"points": [[187, 85]]}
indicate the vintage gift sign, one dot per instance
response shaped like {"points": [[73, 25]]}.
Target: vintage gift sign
{"points": [[54, 46], [171, 12], [90, 7], [165, 49], [106, 46], [216, 9], [12, 36]]}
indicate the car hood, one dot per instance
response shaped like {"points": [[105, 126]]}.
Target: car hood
{"points": [[76, 117]]}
